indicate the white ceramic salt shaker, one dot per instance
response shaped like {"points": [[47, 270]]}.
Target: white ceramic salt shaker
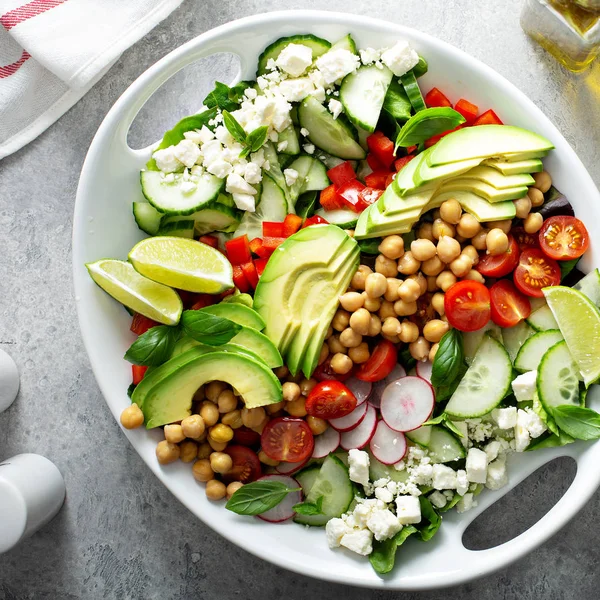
{"points": [[9, 380], [32, 491]]}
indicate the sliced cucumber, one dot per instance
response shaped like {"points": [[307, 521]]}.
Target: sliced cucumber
{"points": [[421, 435], [169, 199], [312, 175], [307, 477], [179, 228], [473, 339], [216, 218], [325, 132], [290, 136], [589, 285], [275, 170], [226, 199], [344, 218], [413, 91], [362, 135], [420, 68], [558, 378], [444, 446], [147, 217], [485, 384], [318, 46], [515, 337], [334, 486], [377, 470], [332, 161], [362, 93], [346, 43], [542, 319], [531, 352]]}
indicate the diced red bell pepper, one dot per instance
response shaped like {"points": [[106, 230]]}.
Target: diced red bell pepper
{"points": [[329, 198], [250, 273], [138, 372], [377, 179], [411, 149], [400, 163], [203, 300], [374, 162], [467, 110], [436, 98], [350, 194], [238, 250], [489, 117], [255, 245], [389, 179], [239, 279], [269, 245], [260, 264], [209, 240], [436, 138], [314, 220], [382, 147], [291, 224], [272, 229], [341, 174], [141, 324], [370, 195]]}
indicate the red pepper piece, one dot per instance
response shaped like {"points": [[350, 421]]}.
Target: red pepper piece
{"points": [[203, 300], [138, 372], [377, 179], [271, 243], [350, 194], [272, 229], [238, 250], [402, 162], [370, 195], [374, 163], [411, 149], [314, 220], [382, 147], [239, 279], [291, 224], [489, 117], [389, 179], [436, 138], [436, 98], [467, 110], [260, 264], [330, 199], [255, 245], [250, 273], [141, 324], [341, 174], [209, 240]]}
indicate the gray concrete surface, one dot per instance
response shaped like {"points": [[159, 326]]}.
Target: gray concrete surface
{"points": [[121, 534]]}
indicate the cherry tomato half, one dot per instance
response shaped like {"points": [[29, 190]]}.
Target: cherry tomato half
{"points": [[536, 271], [563, 238], [381, 363], [501, 264], [289, 440], [330, 400], [467, 305], [246, 437], [525, 240], [246, 466], [324, 372], [508, 305]]}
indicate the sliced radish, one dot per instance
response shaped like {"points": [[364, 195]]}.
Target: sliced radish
{"points": [[287, 468], [407, 403], [388, 446], [326, 443], [360, 436], [284, 510], [361, 389], [351, 420], [424, 370], [378, 387]]}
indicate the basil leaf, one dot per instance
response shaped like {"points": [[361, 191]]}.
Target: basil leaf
{"points": [[566, 266], [154, 347], [234, 128], [396, 102], [257, 138], [308, 508], [427, 123], [577, 421], [405, 359], [131, 389], [448, 359], [369, 246], [429, 513], [245, 152], [455, 500], [208, 329], [551, 441], [219, 98], [452, 427], [258, 497], [540, 411], [236, 93], [305, 206], [383, 556]]}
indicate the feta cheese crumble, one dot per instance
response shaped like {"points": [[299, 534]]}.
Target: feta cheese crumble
{"points": [[408, 509], [358, 463], [335, 108], [400, 58], [524, 386], [336, 64], [476, 466], [294, 59]]}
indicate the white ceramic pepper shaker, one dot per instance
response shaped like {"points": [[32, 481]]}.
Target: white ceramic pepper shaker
{"points": [[9, 380], [32, 491]]}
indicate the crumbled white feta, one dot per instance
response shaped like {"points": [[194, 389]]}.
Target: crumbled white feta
{"points": [[369, 55], [169, 178], [467, 502], [194, 136], [335, 108], [219, 168], [462, 482], [383, 493], [336, 64], [492, 449], [206, 135], [358, 461], [258, 158], [252, 173], [476, 465], [197, 171], [496, 474], [535, 425], [400, 58], [524, 386], [522, 438], [282, 146], [212, 151], [335, 530], [262, 82], [223, 135], [506, 418], [187, 187], [444, 478], [250, 93], [244, 202], [408, 510], [438, 499], [422, 474], [309, 148], [359, 541], [384, 524], [291, 175], [304, 132], [238, 185], [166, 160], [479, 430], [295, 90], [271, 64], [294, 59]]}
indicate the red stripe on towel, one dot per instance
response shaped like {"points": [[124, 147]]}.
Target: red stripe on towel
{"points": [[14, 67], [31, 9]]}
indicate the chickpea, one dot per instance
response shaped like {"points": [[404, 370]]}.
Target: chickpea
{"points": [[266, 459], [448, 249], [174, 434], [392, 246], [132, 417], [386, 310], [213, 389], [372, 304], [438, 303], [440, 228], [386, 266], [317, 425], [291, 391], [472, 253], [340, 320], [306, 385], [188, 451], [202, 471], [497, 242], [409, 291], [209, 413], [328, 334], [215, 490], [391, 326], [434, 330], [259, 428], [359, 323], [166, 452], [391, 294], [220, 462], [425, 232], [274, 408], [461, 265], [194, 425], [341, 364], [422, 249], [405, 309], [359, 278], [536, 197], [409, 333], [419, 349], [479, 240], [432, 285], [323, 354], [352, 301], [445, 280], [335, 346], [253, 417], [220, 433], [283, 372], [217, 446], [227, 401], [433, 352], [204, 450], [460, 239], [360, 354], [543, 181], [376, 285], [522, 207], [504, 225], [468, 226], [433, 266], [474, 275], [350, 338], [392, 338], [451, 211], [533, 222], [232, 488], [421, 280], [408, 264], [233, 419], [374, 326]]}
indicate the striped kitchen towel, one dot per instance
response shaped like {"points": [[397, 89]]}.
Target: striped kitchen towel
{"points": [[53, 51]]}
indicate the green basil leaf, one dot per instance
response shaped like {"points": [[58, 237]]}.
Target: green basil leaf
{"points": [[208, 329], [257, 138], [258, 497], [452, 427], [154, 347], [448, 359], [406, 359], [383, 556], [308, 508], [305, 206], [540, 411], [131, 389], [234, 128], [455, 500], [245, 152], [566, 266], [370, 246], [236, 93], [396, 102], [577, 421], [550, 441], [219, 98], [427, 123], [434, 520], [435, 421]]}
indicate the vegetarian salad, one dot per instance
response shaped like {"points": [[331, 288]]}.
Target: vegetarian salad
{"points": [[355, 300]]}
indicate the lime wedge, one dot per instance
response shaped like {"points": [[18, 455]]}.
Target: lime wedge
{"points": [[182, 263], [579, 322], [153, 300]]}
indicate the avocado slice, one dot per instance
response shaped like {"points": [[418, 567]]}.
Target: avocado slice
{"points": [[491, 194], [391, 202], [425, 174], [498, 180], [532, 165], [238, 313], [480, 208], [167, 393]]}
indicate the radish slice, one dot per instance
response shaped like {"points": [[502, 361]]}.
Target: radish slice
{"points": [[284, 510], [424, 370], [326, 443], [378, 387], [360, 436], [361, 389], [407, 403], [351, 420], [287, 468], [388, 446]]}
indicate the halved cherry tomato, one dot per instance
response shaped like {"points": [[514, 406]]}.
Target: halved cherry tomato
{"points": [[137, 373], [524, 240], [501, 264], [246, 466], [289, 440], [467, 305], [381, 363], [324, 372], [563, 237], [509, 305], [536, 271], [330, 400], [140, 324], [246, 437]]}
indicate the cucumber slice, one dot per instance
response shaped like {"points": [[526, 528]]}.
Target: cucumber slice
{"points": [[290, 136], [515, 337], [318, 46], [531, 352], [413, 91], [485, 384], [421, 435], [180, 228], [147, 217], [444, 446], [307, 477], [333, 161], [362, 93], [558, 378], [472, 339], [325, 132], [275, 171], [589, 285], [344, 218], [312, 175], [542, 319], [168, 197], [334, 486], [226, 199], [420, 68], [377, 470], [346, 43], [216, 218]]}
